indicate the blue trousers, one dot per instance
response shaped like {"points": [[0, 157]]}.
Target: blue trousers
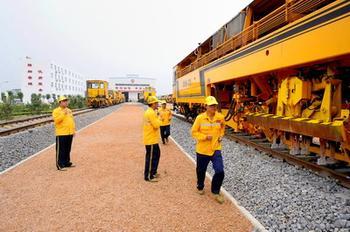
{"points": [[63, 148], [151, 161], [218, 166], [164, 132]]}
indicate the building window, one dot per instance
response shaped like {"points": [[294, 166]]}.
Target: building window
{"points": [[40, 83], [51, 84], [40, 78], [30, 83], [39, 71], [40, 90], [29, 65], [30, 71], [29, 77]]}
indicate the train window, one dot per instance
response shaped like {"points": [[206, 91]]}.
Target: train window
{"points": [[101, 85]]}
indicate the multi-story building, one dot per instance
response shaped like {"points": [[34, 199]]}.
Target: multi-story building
{"points": [[131, 85], [64, 81], [49, 78]]}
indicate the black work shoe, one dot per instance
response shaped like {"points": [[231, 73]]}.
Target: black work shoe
{"points": [[157, 175], [69, 165], [152, 180], [219, 198], [62, 169], [200, 191]]}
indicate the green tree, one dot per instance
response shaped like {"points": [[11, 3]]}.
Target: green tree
{"points": [[81, 101], [20, 96], [11, 97], [48, 96], [6, 111], [3, 97], [36, 104], [54, 97]]}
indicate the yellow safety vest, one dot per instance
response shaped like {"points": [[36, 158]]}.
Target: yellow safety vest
{"points": [[64, 123], [164, 116], [151, 125], [203, 127]]}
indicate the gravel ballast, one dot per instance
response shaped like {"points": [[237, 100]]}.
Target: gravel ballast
{"points": [[17, 147], [281, 196]]}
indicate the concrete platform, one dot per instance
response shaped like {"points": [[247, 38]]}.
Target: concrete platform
{"points": [[106, 190]]}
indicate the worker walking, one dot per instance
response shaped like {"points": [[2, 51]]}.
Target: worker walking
{"points": [[165, 119], [151, 126], [208, 129], [65, 130]]}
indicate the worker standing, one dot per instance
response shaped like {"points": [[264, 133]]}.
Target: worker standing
{"points": [[208, 129], [165, 118], [65, 130], [151, 126]]}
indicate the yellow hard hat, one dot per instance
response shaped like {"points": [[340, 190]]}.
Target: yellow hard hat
{"points": [[162, 102], [210, 100], [152, 99], [62, 98]]}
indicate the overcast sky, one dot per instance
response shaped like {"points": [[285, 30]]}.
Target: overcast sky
{"points": [[101, 38]]}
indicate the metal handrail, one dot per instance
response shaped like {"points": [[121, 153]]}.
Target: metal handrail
{"points": [[281, 16]]}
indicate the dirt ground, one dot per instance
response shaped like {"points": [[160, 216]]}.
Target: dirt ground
{"points": [[106, 190]]}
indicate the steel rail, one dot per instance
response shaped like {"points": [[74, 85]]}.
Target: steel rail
{"points": [[261, 145], [16, 121], [16, 129]]}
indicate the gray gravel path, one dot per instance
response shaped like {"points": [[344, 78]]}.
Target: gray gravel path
{"points": [[282, 197], [17, 147]]}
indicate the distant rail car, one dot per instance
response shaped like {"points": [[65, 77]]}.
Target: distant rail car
{"points": [[168, 98], [98, 94], [147, 92], [281, 70], [115, 97]]}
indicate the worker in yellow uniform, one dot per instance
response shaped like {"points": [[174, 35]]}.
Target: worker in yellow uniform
{"points": [[208, 129], [65, 130], [165, 119], [151, 126]]}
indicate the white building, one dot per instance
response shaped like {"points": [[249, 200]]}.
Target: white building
{"points": [[50, 78], [131, 85], [64, 81]]}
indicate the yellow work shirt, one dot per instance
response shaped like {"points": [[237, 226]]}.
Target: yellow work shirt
{"points": [[151, 125], [164, 116], [64, 123], [203, 127]]}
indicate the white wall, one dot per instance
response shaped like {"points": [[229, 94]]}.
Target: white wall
{"points": [[49, 78]]}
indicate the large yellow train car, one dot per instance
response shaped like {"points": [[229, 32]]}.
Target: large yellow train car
{"points": [[281, 69], [97, 93], [115, 97], [147, 92]]}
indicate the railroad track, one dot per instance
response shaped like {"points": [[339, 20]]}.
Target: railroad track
{"points": [[341, 174], [15, 126]]}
